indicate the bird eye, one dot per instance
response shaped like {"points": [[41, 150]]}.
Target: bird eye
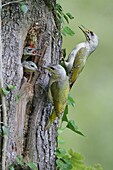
{"points": [[91, 33], [32, 65]]}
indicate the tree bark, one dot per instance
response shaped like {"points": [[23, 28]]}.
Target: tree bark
{"points": [[26, 117]]}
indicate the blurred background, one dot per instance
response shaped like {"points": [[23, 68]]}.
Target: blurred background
{"points": [[93, 92]]}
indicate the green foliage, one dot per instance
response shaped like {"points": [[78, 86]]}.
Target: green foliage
{"points": [[63, 162], [11, 167], [70, 123], [32, 165], [72, 160], [69, 15], [10, 87], [20, 161], [5, 130], [66, 30], [62, 18], [24, 7], [71, 101], [17, 98], [4, 91]]}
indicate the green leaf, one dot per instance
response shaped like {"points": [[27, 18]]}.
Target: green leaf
{"points": [[71, 101], [64, 118], [60, 131], [24, 8], [63, 160], [20, 160], [5, 92], [60, 140], [71, 125], [32, 165], [17, 98], [69, 15], [58, 8], [5, 130], [11, 167], [66, 18], [11, 87], [67, 31], [63, 165], [60, 153]]}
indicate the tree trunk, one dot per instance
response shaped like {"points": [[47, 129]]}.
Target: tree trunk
{"points": [[26, 116]]}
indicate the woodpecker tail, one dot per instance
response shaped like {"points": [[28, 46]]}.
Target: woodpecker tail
{"points": [[51, 119]]}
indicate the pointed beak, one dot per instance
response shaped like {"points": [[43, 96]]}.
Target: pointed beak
{"points": [[49, 69], [84, 30]]}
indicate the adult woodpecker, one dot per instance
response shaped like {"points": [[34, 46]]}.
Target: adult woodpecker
{"points": [[77, 58], [29, 66], [58, 91]]}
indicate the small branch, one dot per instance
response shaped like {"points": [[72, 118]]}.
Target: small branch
{"points": [[13, 2], [4, 112]]}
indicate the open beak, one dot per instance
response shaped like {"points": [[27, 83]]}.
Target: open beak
{"points": [[84, 30]]}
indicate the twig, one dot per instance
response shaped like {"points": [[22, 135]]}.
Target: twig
{"points": [[13, 2], [4, 112]]}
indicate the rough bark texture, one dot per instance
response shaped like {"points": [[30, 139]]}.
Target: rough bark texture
{"points": [[26, 117]]}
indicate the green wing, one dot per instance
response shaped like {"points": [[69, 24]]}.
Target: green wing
{"points": [[78, 65]]}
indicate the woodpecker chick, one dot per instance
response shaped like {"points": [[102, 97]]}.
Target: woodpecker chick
{"points": [[58, 92], [29, 66], [29, 51], [77, 58]]}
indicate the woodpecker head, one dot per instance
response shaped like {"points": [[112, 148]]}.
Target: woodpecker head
{"points": [[91, 37], [30, 66], [57, 71], [30, 51]]}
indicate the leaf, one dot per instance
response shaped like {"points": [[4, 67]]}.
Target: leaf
{"points": [[32, 165], [11, 167], [60, 153], [11, 87], [71, 125], [60, 140], [58, 8], [5, 130], [63, 165], [5, 92], [63, 160], [64, 118], [60, 131], [19, 160], [75, 155], [67, 31], [66, 18], [17, 98], [24, 8], [71, 101], [69, 15]]}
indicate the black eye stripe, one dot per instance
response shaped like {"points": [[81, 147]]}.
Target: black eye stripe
{"points": [[52, 68], [29, 49], [91, 33]]}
